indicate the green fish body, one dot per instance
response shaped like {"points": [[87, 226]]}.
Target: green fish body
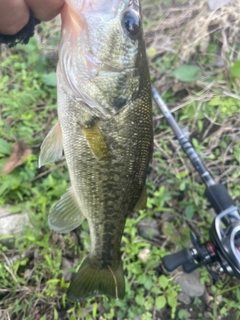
{"points": [[105, 130]]}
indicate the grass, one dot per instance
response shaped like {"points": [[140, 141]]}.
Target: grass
{"points": [[35, 267]]}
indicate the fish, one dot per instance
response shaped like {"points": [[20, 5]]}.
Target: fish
{"points": [[105, 130]]}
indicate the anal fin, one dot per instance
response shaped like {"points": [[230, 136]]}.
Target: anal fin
{"points": [[52, 146], [65, 214], [96, 142], [142, 202]]}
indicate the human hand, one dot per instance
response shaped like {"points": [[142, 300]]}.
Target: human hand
{"points": [[14, 14]]}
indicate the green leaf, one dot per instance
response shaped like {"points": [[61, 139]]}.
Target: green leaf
{"points": [[142, 278], [238, 294], [163, 281], [151, 52], [235, 69], [50, 79], [15, 209], [183, 314], [172, 299], [149, 303], [182, 185], [182, 174], [140, 300], [5, 147], [216, 101], [187, 73], [189, 211], [224, 311], [148, 284], [94, 310], [156, 291], [55, 314], [161, 302]]}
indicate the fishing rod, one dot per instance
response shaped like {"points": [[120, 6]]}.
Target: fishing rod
{"points": [[221, 253]]}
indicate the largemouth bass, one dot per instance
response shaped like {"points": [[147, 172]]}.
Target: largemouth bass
{"points": [[105, 130]]}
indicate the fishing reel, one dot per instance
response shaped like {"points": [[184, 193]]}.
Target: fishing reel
{"points": [[221, 253]]}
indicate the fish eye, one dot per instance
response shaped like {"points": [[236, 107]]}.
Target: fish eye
{"points": [[131, 24]]}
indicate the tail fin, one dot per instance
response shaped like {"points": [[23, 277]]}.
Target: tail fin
{"points": [[91, 280]]}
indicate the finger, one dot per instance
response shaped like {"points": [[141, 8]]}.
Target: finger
{"points": [[45, 10], [14, 15]]}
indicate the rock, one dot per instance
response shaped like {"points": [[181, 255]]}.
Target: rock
{"points": [[207, 298], [12, 223], [184, 298], [190, 284], [148, 229], [216, 4], [207, 315], [218, 62]]}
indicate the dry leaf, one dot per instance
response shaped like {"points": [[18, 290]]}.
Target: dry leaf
{"points": [[19, 152], [144, 255]]}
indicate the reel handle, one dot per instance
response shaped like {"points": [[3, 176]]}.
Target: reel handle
{"points": [[190, 267], [175, 260]]}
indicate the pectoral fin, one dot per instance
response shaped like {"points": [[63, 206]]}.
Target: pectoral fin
{"points": [[142, 202], [52, 146], [65, 215], [97, 143]]}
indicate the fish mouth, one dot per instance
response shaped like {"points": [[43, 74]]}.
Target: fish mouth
{"points": [[111, 69]]}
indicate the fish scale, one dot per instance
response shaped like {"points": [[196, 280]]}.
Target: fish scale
{"points": [[105, 129]]}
